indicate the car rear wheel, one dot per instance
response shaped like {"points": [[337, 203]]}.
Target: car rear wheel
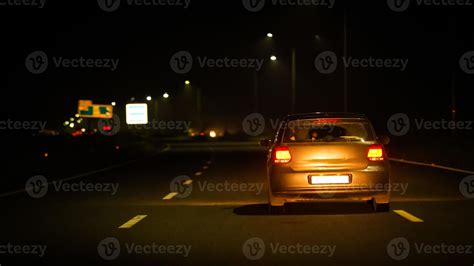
{"points": [[276, 210], [380, 207]]}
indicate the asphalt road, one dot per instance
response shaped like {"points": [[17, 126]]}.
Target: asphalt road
{"points": [[221, 217]]}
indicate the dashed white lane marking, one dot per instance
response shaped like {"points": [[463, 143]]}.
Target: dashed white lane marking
{"points": [[170, 195], [205, 167], [410, 217], [188, 182], [132, 222], [198, 174]]}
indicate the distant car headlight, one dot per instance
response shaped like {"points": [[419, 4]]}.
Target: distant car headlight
{"points": [[212, 134]]}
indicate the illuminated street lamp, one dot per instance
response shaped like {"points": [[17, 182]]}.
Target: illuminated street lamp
{"points": [[270, 35], [187, 82], [148, 98], [166, 95], [273, 58], [113, 103]]}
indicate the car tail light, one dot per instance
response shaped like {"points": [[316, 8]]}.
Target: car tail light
{"points": [[281, 154], [375, 153]]}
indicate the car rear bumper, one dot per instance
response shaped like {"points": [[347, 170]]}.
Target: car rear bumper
{"points": [[366, 184]]}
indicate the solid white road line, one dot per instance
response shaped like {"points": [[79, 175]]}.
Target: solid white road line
{"points": [[432, 165]]}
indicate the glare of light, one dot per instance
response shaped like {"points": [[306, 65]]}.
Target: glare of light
{"points": [[46, 155], [187, 82], [270, 35], [77, 115], [273, 58], [83, 130], [212, 134], [113, 103], [71, 119], [166, 95], [79, 120], [148, 98], [132, 99], [71, 125], [66, 123]]}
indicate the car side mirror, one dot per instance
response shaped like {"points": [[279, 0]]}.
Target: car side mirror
{"points": [[265, 143], [384, 139]]}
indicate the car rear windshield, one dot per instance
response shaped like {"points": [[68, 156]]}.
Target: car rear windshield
{"points": [[327, 130]]}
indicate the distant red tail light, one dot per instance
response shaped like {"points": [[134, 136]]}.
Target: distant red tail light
{"points": [[107, 128], [375, 153], [281, 155]]}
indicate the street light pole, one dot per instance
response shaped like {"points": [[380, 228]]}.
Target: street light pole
{"points": [[255, 91], [345, 55], [198, 105], [293, 80]]}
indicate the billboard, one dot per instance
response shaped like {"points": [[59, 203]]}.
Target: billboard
{"points": [[136, 113], [86, 108]]}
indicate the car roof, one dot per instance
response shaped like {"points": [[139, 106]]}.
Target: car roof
{"points": [[325, 114]]}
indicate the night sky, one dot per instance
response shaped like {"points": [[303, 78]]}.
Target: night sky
{"points": [[145, 38]]}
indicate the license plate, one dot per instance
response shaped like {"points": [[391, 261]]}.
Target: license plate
{"points": [[329, 179]]}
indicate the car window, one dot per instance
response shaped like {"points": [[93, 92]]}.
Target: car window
{"points": [[327, 130]]}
